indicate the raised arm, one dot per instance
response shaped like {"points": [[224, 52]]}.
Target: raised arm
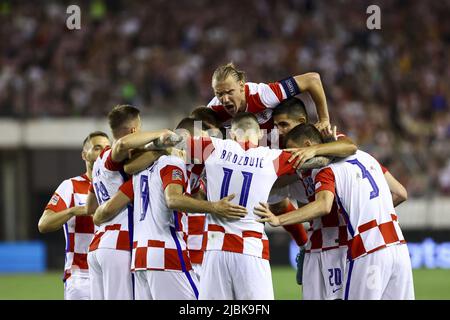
{"points": [[135, 140], [312, 83], [304, 157]]}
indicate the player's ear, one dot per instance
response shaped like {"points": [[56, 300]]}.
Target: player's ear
{"points": [[260, 133], [241, 85], [84, 155], [307, 143], [302, 120]]}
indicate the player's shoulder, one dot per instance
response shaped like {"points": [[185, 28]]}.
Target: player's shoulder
{"points": [[254, 88], [170, 160], [70, 183], [214, 104]]}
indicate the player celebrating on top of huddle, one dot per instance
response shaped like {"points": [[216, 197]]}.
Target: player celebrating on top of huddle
{"points": [[234, 95]]}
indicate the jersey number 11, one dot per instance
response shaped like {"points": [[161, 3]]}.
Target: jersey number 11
{"points": [[245, 186]]}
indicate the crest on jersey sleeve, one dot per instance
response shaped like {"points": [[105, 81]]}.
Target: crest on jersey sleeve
{"points": [[177, 175], [318, 185], [54, 200]]}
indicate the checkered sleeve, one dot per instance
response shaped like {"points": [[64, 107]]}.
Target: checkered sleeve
{"points": [[173, 175], [325, 180], [62, 198], [127, 189]]}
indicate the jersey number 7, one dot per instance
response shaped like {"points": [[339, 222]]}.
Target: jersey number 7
{"points": [[245, 186]]}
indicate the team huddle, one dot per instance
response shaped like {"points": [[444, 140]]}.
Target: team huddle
{"points": [[180, 214]]}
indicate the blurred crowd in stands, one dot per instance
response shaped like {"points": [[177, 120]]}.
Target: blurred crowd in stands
{"points": [[387, 89]]}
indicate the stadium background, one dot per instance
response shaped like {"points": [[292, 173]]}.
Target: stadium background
{"points": [[387, 89]]}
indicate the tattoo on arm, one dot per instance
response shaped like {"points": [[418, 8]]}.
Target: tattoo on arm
{"points": [[316, 162]]}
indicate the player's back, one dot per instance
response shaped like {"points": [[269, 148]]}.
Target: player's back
{"points": [[249, 174], [158, 230], [365, 200], [107, 177]]}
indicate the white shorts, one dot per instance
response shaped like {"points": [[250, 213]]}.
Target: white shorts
{"points": [[323, 274], [385, 274], [110, 275], [197, 268], [165, 285], [235, 276], [77, 288]]}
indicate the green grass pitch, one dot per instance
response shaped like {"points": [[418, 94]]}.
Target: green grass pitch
{"points": [[429, 284]]}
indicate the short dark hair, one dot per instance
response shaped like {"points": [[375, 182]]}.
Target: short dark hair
{"points": [[207, 115], [302, 132], [243, 120], [292, 107], [94, 134], [120, 115], [189, 124]]}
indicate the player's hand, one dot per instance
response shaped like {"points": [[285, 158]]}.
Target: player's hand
{"points": [[79, 211], [324, 127], [301, 155], [168, 139], [266, 215], [224, 208], [331, 137]]}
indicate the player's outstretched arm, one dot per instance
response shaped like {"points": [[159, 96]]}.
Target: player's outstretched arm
{"points": [[319, 207], [135, 140], [312, 83], [398, 191], [297, 231], [176, 200], [341, 148], [51, 221], [141, 161], [111, 208], [91, 203]]}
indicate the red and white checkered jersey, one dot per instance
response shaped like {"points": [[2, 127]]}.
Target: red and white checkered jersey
{"points": [[364, 200], [195, 221], [158, 231], [261, 99], [249, 173], [326, 232], [78, 231], [107, 177]]}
